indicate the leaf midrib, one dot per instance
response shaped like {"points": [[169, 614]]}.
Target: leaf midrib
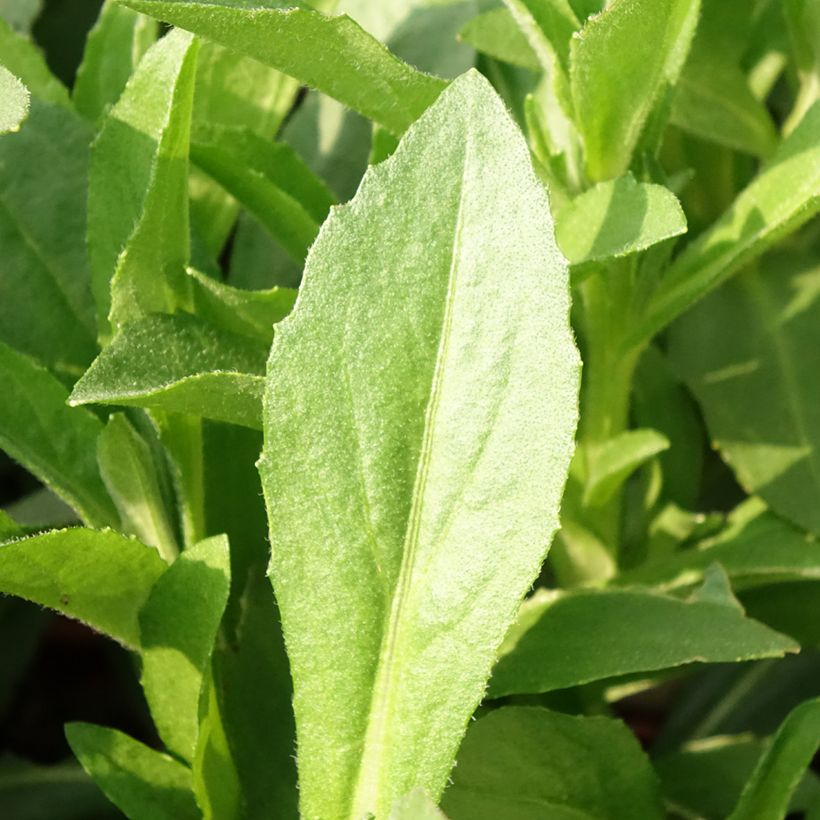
{"points": [[366, 792]]}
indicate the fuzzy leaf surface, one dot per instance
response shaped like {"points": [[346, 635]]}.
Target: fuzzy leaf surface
{"points": [[412, 478], [14, 102]]}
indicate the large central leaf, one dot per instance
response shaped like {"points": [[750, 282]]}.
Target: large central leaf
{"points": [[419, 421]]}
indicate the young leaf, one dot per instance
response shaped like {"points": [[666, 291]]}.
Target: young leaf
{"points": [[462, 439], [246, 312], [130, 475], [51, 440], [355, 68], [525, 762], [270, 180], [617, 218], [178, 625], [569, 639], [100, 578], [617, 459], [780, 770], [496, 33], [416, 806], [42, 225], [145, 784], [179, 364], [113, 50], [784, 196], [749, 353], [621, 64], [14, 102], [138, 221]]}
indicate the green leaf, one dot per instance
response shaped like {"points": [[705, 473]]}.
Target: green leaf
{"points": [[548, 25], [138, 221], [23, 59], [14, 102], [270, 180], [617, 218], [621, 65], [416, 805], [617, 459], [526, 762], [355, 68], [20, 14], [179, 364], [437, 428], [99, 578], [496, 34], [113, 50], [145, 784], [749, 354], [784, 196], [42, 224], [130, 475], [51, 440], [178, 625], [246, 312], [568, 639], [780, 770], [8, 527]]}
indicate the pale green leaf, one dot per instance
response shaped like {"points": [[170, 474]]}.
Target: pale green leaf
{"points": [[784, 196], [130, 475], [750, 353], [246, 312], [51, 440], [99, 578], [548, 25], [568, 639], [527, 763], [178, 625], [180, 364], [422, 430], [355, 68], [43, 184], [270, 180], [113, 50], [14, 102], [138, 221], [23, 59], [617, 218], [416, 805], [143, 783], [617, 459], [622, 62], [496, 34], [781, 768]]}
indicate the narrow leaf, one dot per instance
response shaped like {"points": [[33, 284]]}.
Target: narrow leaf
{"points": [[526, 762], [355, 68], [14, 102], [51, 440], [780, 770], [617, 218], [145, 784], [179, 364], [462, 441], [565, 640], [784, 196], [622, 62], [496, 34], [178, 625], [113, 50], [138, 221], [99, 578]]}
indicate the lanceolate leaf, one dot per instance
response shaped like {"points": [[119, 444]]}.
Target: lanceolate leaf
{"points": [[53, 441], [181, 364], [571, 639], [388, 496], [355, 68], [784, 196], [14, 102], [622, 62], [138, 221], [144, 783], [100, 578], [496, 34]]}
